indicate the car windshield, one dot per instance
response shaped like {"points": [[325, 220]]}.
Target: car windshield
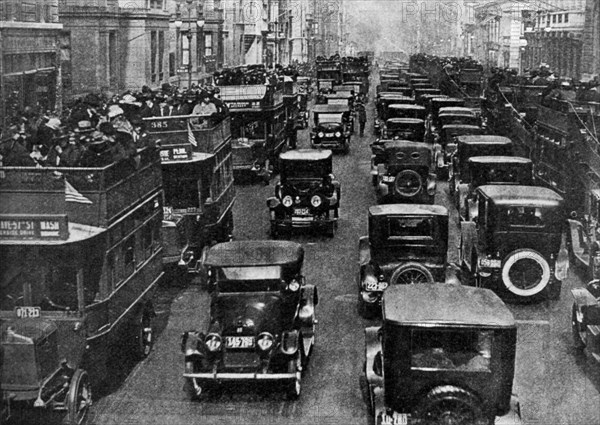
{"points": [[305, 169], [330, 118], [500, 173], [410, 227], [338, 101], [249, 278], [452, 349]]}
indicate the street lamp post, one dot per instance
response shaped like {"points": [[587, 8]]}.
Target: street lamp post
{"points": [[189, 35]]}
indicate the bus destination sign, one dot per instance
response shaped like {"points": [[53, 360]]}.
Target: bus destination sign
{"points": [[47, 227]]}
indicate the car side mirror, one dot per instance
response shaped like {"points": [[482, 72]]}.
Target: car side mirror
{"points": [[378, 364]]}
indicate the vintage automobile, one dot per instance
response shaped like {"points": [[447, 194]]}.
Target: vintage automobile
{"points": [[444, 354], [403, 171], [407, 244], [515, 245], [332, 127], [446, 143], [420, 92], [585, 318], [482, 170], [404, 128], [262, 318], [469, 146], [382, 104], [405, 110], [307, 194], [435, 104]]}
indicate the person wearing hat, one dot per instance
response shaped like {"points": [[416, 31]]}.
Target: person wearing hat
{"points": [[84, 127], [71, 154], [97, 153], [179, 107], [124, 133], [13, 150], [46, 134]]}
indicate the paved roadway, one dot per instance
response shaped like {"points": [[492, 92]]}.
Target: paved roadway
{"points": [[554, 383]]}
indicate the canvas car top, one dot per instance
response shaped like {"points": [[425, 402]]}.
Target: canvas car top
{"points": [[405, 106], [483, 139], [405, 121], [254, 253], [500, 159], [450, 127], [339, 95], [330, 109], [407, 209], [511, 195], [237, 93], [406, 144], [456, 110], [445, 304], [306, 155]]}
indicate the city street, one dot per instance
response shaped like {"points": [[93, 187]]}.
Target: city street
{"points": [[555, 384]]}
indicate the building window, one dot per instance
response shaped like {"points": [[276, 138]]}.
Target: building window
{"points": [[112, 56], [172, 64], [560, 18], [161, 54], [154, 4], [208, 44], [185, 50], [553, 19], [153, 51], [566, 18]]}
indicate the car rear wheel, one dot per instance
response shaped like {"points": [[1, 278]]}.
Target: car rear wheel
{"points": [[79, 398], [411, 274], [525, 273], [579, 328], [450, 405], [408, 183]]}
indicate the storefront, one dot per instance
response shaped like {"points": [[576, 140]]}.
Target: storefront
{"points": [[29, 68]]}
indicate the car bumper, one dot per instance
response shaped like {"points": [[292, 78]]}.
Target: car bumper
{"points": [[243, 376], [300, 222]]}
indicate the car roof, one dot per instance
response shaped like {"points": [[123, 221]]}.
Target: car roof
{"points": [[342, 94], [445, 304], [455, 109], [406, 144], [483, 139], [521, 195], [467, 126], [407, 209], [394, 95], [499, 159], [406, 106], [306, 155], [254, 253], [406, 120], [448, 99], [330, 108]]}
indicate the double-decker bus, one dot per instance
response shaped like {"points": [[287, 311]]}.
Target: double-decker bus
{"points": [[258, 118], [81, 256], [197, 170]]}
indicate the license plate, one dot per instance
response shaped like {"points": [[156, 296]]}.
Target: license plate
{"points": [[301, 211], [328, 134], [376, 286], [394, 419], [239, 341], [28, 312]]}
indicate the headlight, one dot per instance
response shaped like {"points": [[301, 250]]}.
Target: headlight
{"points": [[320, 134], [287, 201], [265, 341], [338, 134], [213, 342], [294, 285], [316, 201]]}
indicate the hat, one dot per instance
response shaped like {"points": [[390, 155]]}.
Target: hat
{"points": [[84, 126], [114, 110], [92, 99], [128, 99], [96, 138], [53, 123]]}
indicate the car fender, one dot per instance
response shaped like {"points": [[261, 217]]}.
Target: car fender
{"points": [[468, 233], [364, 251], [290, 341], [583, 298], [273, 202], [306, 314], [460, 196], [513, 417], [375, 382], [192, 344]]}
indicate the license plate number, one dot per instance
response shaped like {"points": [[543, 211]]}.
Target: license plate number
{"points": [[394, 419], [328, 134], [28, 312], [239, 341], [301, 211], [376, 286]]}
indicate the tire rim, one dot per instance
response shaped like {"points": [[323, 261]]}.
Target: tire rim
{"points": [[525, 273], [408, 183], [83, 399], [412, 277]]}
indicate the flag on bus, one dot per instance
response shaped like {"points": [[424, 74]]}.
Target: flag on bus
{"points": [[72, 195], [191, 137]]}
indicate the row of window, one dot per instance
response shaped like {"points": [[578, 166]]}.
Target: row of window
{"points": [[27, 11], [557, 18], [18, 63]]}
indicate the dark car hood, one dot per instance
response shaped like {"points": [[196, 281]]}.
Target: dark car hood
{"points": [[301, 186], [329, 126], [253, 312]]}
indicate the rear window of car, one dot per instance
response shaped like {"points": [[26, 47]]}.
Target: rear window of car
{"points": [[250, 273], [523, 216], [463, 350], [410, 228]]}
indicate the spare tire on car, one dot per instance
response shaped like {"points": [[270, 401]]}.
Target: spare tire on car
{"points": [[525, 272], [408, 183], [448, 404], [411, 273]]}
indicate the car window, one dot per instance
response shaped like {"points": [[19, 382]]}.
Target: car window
{"points": [[464, 350], [250, 273], [523, 216], [330, 117], [410, 227]]}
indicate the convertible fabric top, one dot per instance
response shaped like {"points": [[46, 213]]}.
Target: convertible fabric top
{"points": [[306, 155], [445, 304], [499, 160], [407, 209], [254, 253], [320, 109], [239, 93], [518, 195], [481, 139]]}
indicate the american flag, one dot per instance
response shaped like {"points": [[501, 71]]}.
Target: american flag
{"points": [[72, 195], [191, 137]]}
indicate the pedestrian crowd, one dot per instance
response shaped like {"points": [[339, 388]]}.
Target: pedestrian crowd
{"points": [[96, 131]]}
